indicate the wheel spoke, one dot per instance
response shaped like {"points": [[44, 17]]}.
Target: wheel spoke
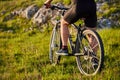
{"points": [[95, 46], [92, 49], [83, 61], [88, 67]]}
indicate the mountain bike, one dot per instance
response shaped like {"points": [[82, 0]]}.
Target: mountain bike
{"points": [[89, 57]]}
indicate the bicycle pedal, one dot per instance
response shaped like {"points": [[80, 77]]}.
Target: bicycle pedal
{"points": [[79, 54], [62, 54]]}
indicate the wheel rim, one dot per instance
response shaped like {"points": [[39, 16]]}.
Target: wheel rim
{"points": [[55, 46], [90, 63]]}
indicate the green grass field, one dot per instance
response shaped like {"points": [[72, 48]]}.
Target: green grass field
{"points": [[24, 54]]}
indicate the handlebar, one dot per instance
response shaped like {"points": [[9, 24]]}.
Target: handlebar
{"points": [[58, 7], [52, 7]]}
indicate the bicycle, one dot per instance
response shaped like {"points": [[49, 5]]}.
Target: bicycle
{"points": [[88, 61]]}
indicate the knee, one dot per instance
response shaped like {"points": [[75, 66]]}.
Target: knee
{"points": [[64, 23]]}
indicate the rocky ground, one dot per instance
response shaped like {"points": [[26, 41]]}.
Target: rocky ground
{"points": [[40, 16]]}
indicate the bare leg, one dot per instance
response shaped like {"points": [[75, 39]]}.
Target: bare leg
{"points": [[64, 36], [64, 32]]}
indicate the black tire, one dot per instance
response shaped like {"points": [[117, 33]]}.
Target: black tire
{"points": [[55, 45], [92, 59]]}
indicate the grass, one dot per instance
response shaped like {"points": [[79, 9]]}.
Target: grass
{"points": [[21, 54], [24, 52], [24, 55]]}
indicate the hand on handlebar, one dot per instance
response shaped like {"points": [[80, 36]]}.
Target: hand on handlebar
{"points": [[47, 4]]}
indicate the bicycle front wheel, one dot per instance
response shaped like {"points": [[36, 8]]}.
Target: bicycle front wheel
{"points": [[90, 45], [55, 45]]}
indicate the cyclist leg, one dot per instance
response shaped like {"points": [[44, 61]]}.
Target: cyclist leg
{"points": [[64, 32], [69, 17], [64, 36]]}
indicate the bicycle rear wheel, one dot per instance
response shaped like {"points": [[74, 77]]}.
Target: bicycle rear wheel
{"points": [[55, 45], [93, 52]]}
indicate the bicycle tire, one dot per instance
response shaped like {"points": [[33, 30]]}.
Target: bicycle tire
{"points": [[55, 45], [86, 63]]}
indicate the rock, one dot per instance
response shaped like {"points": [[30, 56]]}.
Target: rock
{"points": [[30, 11], [26, 13], [18, 12], [9, 17], [3, 12], [12, 15], [44, 15]]}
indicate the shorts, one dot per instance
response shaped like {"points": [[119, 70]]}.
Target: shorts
{"points": [[86, 11]]}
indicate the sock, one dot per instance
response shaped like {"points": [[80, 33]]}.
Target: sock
{"points": [[64, 47]]}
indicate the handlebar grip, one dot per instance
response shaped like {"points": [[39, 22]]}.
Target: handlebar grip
{"points": [[53, 7]]}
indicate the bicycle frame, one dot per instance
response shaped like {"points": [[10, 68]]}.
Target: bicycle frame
{"points": [[78, 28], [88, 62]]}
